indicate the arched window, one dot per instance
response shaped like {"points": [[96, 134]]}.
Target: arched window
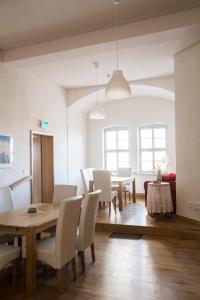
{"points": [[116, 148], [152, 148]]}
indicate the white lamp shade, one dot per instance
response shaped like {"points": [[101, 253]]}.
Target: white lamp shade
{"points": [[97, 113], [118, 87]]}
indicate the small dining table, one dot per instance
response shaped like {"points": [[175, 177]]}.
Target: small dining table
{"points": [[19, 222], [119, 182]]}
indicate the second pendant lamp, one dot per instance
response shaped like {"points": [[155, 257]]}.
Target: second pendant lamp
{"points": [[118, 87]]}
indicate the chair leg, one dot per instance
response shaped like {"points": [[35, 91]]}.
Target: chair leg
{"points": [[114, 201], [109, 208], [14, 272], [125, 196], [93, 252], [129, 194], [60, 279], [74, 268], [82, 256]]}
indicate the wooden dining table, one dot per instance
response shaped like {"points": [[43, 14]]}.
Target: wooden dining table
{"points": [[19, 222], [119, 182]]}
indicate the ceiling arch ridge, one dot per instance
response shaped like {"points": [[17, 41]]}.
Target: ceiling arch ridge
{"points": [[165, 83]]}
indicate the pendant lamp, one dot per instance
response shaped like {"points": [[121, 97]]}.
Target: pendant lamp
{"points": [[97, 113], [118, 87]]}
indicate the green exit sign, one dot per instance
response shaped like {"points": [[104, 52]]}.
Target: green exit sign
{"points": [[44, 124]]}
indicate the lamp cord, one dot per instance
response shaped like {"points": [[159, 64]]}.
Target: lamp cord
{"points": [[96, 65], [117, 2]]}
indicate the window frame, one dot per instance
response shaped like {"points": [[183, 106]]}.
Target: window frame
{"points": [[117, 151], [153, 149]]}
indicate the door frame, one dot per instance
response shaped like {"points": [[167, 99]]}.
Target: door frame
{"points": [[41, 133]]}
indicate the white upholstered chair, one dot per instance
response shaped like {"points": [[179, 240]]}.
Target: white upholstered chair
{"points": [[61, 249], [86, 230], [102, 181], [87, 177], [126, 172], [9, 254], [6, 199], [6, 204], [63, 191]]}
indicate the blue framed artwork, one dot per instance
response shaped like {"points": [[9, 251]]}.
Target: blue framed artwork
{"points": [[6, 151]]}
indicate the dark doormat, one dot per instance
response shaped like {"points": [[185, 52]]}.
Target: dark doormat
{"points": [[125, 236]]}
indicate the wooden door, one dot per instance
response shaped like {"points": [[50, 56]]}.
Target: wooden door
{"points": [[37, 170], [43, 171], [47, 169]]}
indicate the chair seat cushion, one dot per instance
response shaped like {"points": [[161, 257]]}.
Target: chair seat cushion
{"points": [[8, 254], [46, 251]]}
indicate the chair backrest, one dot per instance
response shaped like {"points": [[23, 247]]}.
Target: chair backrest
{"points": [[90, 170], [102, 181], [86, 177], [66, 230], [6, 199], [64, 191], [125, 172], [88, 220]]}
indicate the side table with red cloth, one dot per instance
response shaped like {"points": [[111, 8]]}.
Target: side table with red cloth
{"points": [[171, 178]]}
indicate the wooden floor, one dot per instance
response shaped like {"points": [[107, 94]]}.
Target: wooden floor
{"points": [[153, 268], [134, 217]]}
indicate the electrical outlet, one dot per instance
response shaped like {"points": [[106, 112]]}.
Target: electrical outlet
{"points": [[195, 206]]}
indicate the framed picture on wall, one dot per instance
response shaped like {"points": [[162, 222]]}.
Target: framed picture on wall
{"points": [[6, 151]]}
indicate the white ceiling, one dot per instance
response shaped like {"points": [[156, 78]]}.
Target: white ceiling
{"points": [[140, 57], [24, 22]]}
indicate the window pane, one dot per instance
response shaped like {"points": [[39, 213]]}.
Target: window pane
{"points": [[161, 159], [111, 156], [146, 133], [147, 156], [111, 145], [147, 166], [111, 135], [159, 133], [146, 143], [123, 134], [111, 161], [123, 159], [123, 139], [147, 161], [160, 156], [159, 143], [112, 166], [123, 144]]}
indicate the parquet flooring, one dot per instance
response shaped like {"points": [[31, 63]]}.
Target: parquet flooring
{"points": [[153, 268], [134, 218]]}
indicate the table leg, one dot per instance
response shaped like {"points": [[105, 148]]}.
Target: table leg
{"points": [[133, 190], [30, 261], [120, 196]]}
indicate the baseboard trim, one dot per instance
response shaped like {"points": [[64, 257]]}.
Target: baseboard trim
{"points": [[188, 220], [140, 195]]}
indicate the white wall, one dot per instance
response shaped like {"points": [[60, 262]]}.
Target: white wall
{"points": [[77, 144], [24, 100], [132, 113], [187, 84]]}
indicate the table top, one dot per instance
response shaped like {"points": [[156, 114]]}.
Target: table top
{"points": [[20, 218], [121, 179], [160, 184]]}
